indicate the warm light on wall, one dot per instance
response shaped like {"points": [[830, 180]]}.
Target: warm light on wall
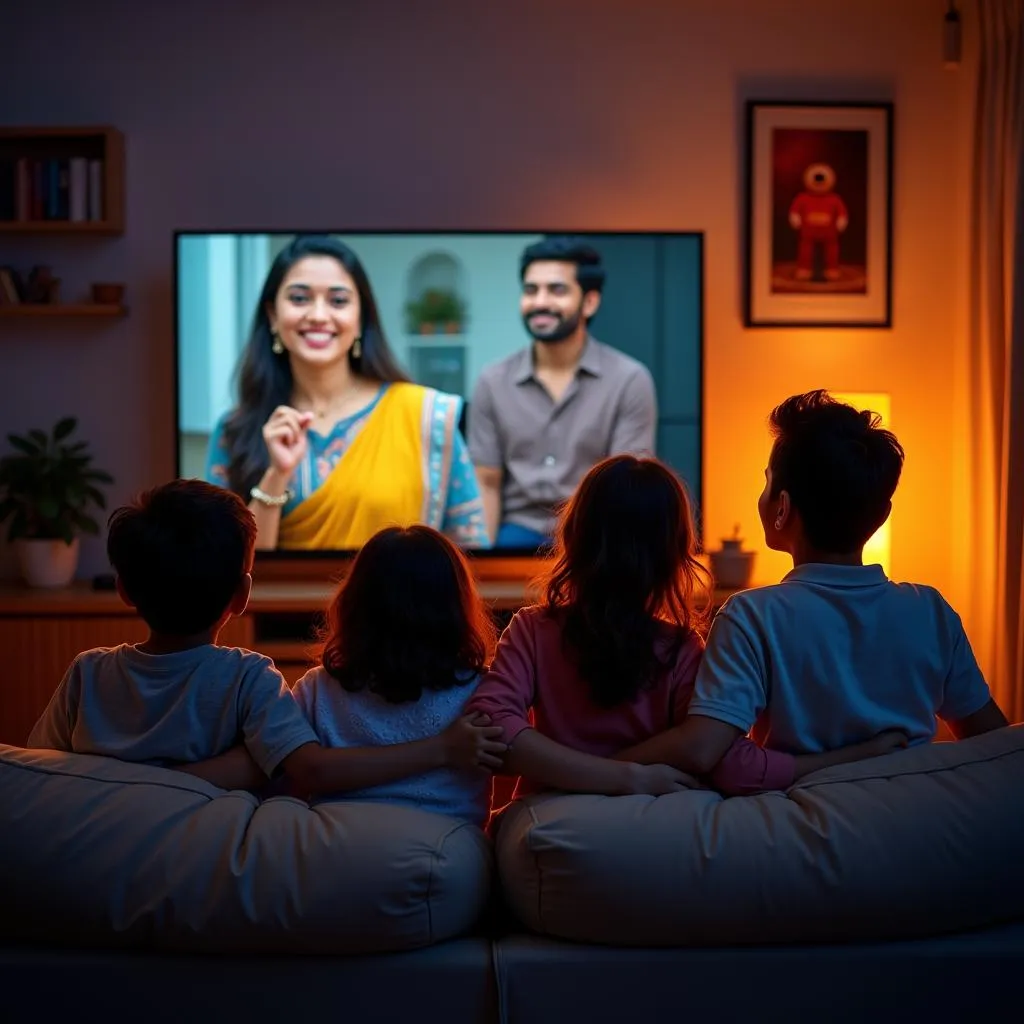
{"points": [[878, 549]]}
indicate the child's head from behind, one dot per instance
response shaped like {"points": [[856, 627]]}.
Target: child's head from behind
{"points": [[182, 553], [408, 618], [830, 478], [625, 553]]}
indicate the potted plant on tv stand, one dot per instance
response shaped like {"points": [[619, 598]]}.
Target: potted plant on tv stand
{"points": [[47, 487], [731, 566]]}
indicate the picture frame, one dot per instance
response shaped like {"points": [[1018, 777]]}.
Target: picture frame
{"points": [[819, 214]]}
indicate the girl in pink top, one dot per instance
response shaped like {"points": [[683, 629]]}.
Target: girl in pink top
{"points": [[609, 658]]}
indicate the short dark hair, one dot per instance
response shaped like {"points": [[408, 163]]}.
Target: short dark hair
{"points": [[567, 249], [625, 568], [181, 550], [839, 466], [408, 618]]}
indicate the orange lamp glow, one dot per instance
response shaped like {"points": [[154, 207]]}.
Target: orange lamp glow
{"points": [[878, 550]]}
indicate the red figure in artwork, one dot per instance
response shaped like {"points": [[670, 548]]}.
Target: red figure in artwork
{"points": [[820, 217]]}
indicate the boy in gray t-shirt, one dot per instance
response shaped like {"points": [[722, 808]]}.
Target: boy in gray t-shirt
{"points": [[183, 554]]}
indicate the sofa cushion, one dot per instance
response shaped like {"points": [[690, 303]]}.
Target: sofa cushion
{"points": [[970, 976], [451, 982], [924, 841], [93, 850]]}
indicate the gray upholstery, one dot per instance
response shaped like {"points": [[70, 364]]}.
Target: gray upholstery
{"points": [[922, 842], [453, 981], [962, 978], [522, 979]]}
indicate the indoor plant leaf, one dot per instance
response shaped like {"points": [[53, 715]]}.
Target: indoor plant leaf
{"points": [[86, 524], [23, 444], [65, 427], [47, 490]]}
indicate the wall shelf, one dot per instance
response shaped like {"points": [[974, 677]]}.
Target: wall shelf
{"points": [[49, 174], [44, 311], [57, 181], [59, 227]]}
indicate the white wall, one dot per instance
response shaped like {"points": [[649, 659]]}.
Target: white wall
{"points": [[460, 114]]}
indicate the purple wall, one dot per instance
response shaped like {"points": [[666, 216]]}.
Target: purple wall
{"points": [[453, 113]]}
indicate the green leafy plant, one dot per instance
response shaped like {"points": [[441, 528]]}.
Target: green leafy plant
{"points": [[48, 485], [436, 308]]}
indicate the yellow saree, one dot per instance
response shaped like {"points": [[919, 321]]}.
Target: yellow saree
{"points": [[379, 481]]}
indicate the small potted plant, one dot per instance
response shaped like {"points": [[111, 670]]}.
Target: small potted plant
{"points": [[47, 487], [732, 567], [436, 312]]}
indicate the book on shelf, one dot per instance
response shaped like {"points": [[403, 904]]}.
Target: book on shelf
{"points": [[53, 189], [10, 287]]}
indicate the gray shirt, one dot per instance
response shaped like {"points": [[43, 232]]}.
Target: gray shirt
{"points": [[543, 447], [167, 709]]}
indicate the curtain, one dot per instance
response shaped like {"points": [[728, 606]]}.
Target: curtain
{"points": [[996, 385]]}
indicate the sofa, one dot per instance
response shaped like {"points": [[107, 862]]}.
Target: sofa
{"points": [[891, 889]]}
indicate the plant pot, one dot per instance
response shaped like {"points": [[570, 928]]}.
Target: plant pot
{"points": [[427, 328], [47, 563], [732, 567]]}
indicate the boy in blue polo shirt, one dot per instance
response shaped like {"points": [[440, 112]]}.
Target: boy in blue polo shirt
{"points": [[836, 653]]}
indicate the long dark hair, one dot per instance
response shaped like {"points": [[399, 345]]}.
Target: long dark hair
{"points": [[625, 565], [265, 379], [408, 618]]}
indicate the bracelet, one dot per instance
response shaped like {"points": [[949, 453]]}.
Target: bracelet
{"points": [[268, 499]]}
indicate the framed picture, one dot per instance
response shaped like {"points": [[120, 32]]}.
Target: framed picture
{"points": [[819, 215]]}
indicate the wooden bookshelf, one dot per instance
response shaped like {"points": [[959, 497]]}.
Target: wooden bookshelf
{"points": [[42, 145], [58, 227], [52, 311]]}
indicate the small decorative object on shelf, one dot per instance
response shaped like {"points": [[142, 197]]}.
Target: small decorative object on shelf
{"points": [[41, 286], [11, 286], [47, 487], [108, 294], [436, 311], [732, 567], [38, 295]]}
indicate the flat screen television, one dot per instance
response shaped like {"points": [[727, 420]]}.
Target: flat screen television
{"points": [[449, 305]]}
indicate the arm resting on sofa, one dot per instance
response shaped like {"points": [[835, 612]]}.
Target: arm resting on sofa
{"points": [[234, 769], [550, 764], [985, 719]]}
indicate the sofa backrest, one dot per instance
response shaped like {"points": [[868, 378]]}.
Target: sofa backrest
{"points": [[93, 850], [924, 841]]}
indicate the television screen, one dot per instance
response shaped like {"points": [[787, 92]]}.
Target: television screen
{"points": [[342, 382]]}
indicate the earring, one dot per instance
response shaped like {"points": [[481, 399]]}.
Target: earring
{"points": [[357, 348], [778, 521], [277, 348]]}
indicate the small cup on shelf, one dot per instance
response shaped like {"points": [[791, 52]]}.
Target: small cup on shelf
{"points": [[108, 294]]}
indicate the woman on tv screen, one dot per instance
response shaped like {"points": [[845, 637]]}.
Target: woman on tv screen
{"points": [[329, 441]]}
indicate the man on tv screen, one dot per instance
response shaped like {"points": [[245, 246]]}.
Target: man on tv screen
{"points": [[540, 418]]}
